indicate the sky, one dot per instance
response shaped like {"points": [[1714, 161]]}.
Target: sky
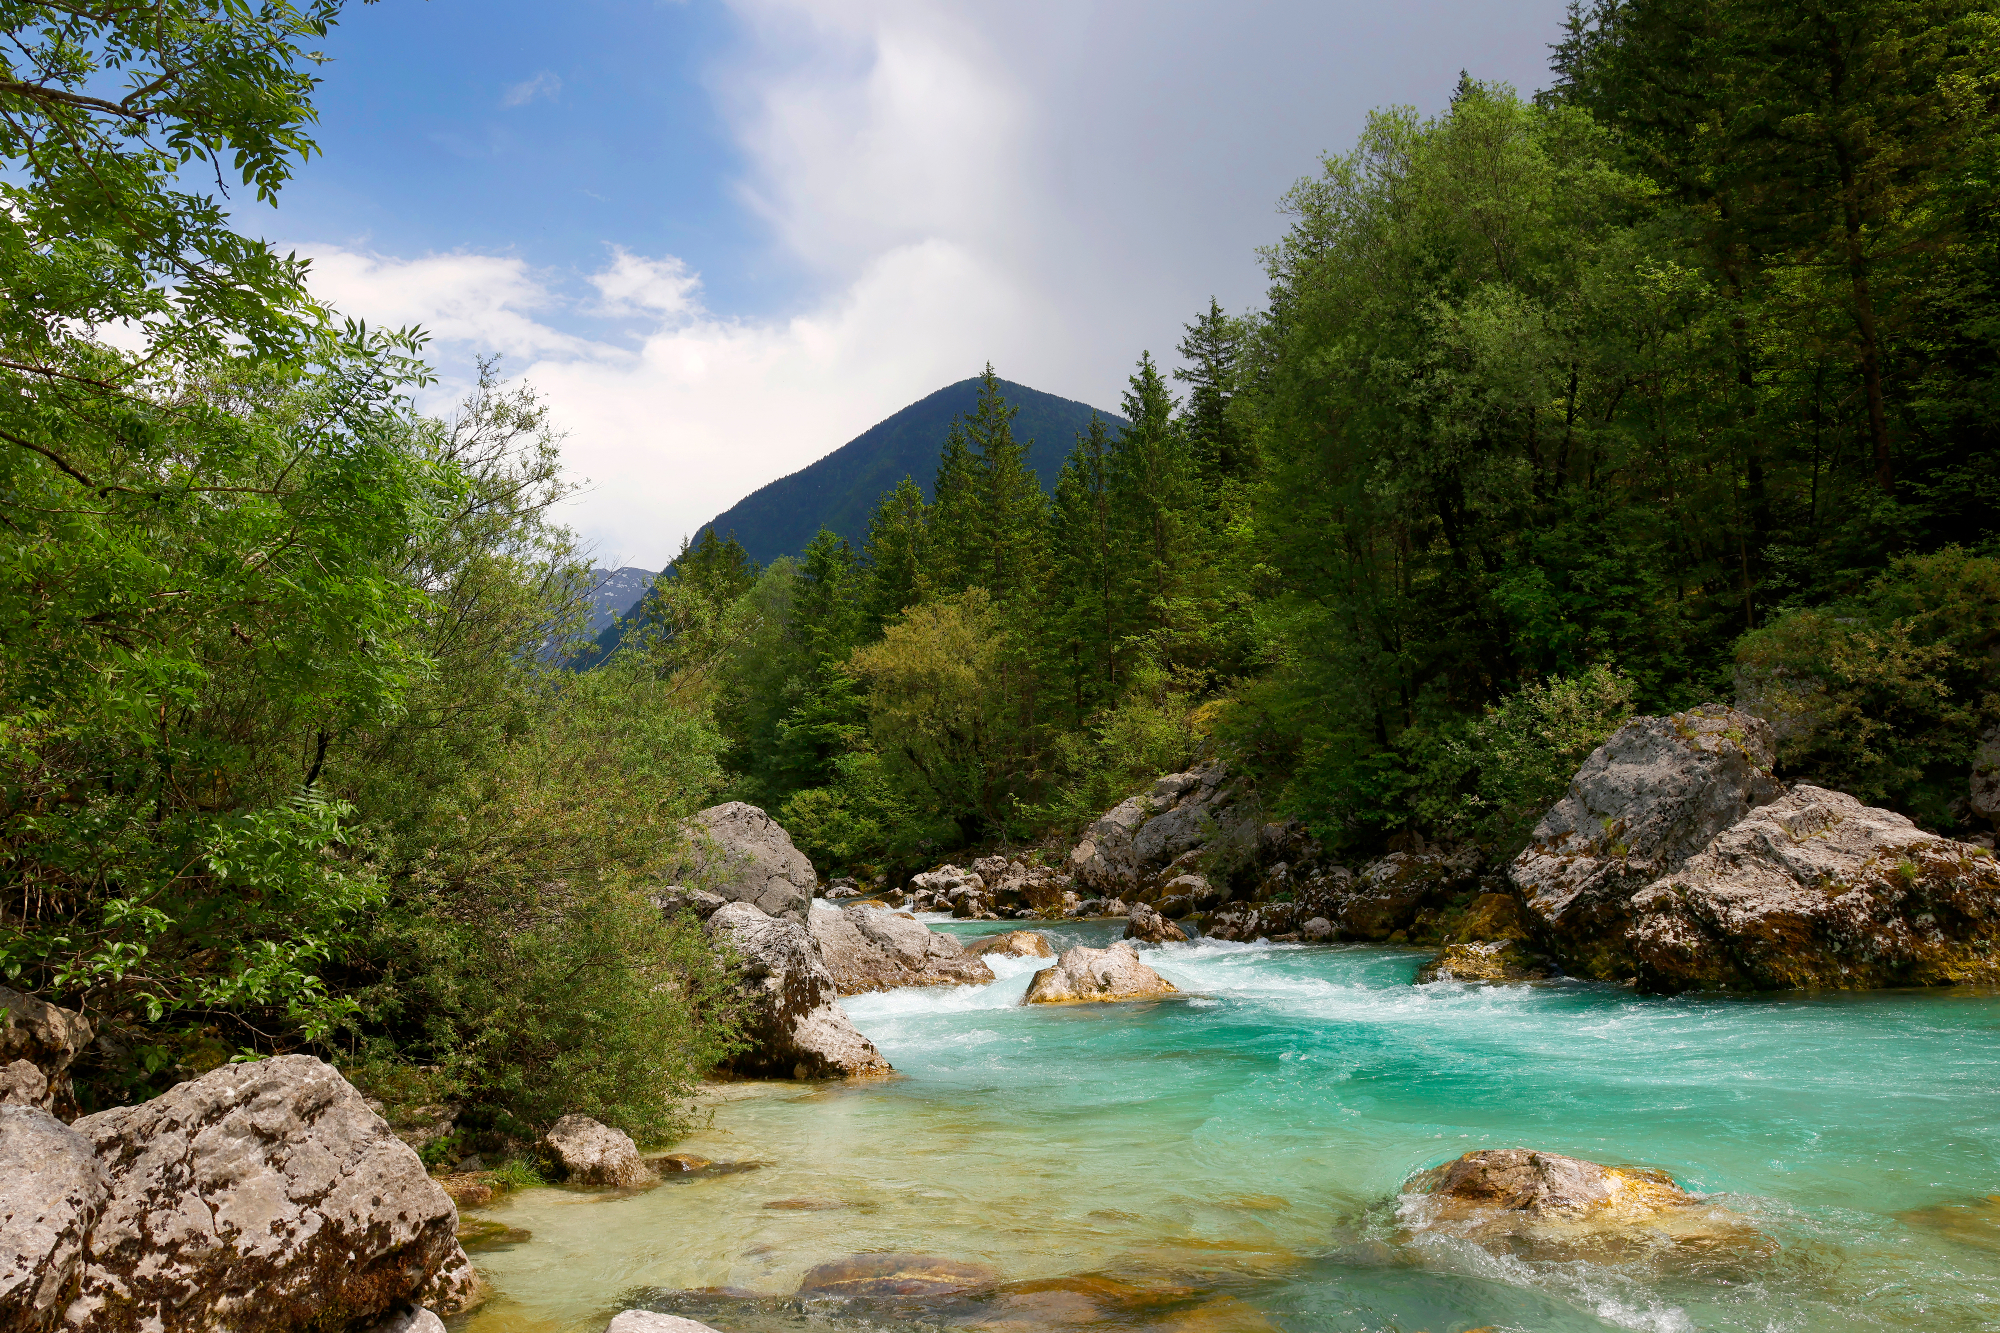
{"points": [[723, 237]]}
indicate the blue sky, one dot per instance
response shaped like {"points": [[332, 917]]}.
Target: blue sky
{"points": [[724, 238]]}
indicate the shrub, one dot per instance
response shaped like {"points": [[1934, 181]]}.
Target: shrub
{"points": [[1884, 696]]}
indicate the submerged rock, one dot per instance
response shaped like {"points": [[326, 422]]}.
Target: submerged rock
{"points": [[680, 1163], [262, 1197], [46, 1038], [1644, 801], [590, 1153], [867, 949], [51, 1192], [1818, 890], [1147, 924], [646, 1321], [796, 1026], [1084, 976], [744, 855], [895, 1275], [1014, 944]]}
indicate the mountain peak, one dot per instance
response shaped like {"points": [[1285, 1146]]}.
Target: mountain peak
{"points": [[840, 490]]}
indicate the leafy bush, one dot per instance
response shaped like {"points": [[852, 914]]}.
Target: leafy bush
{"points": [[1885, 696], [1488, 779], [1151, 730]]}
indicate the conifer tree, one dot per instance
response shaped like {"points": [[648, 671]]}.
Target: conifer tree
{"points": [[896, 556], [1155, 503], [953, 503], [1080, 629], [1221, 448], [1009, 509]]}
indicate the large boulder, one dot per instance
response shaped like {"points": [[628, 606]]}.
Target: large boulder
{"points": [[1143, 835], [744, 855], [1542, 1185], [591, 1153], [1144, 923], [45, 1038], [1542, 1206], [1818, 890], [261, 1197], [868, 949], [1085, 976], [51, 1192], [1644, 801], [1984, 796], [795, 1024]]}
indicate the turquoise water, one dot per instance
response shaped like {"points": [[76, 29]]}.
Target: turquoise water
{"points": [[1244, 1142]]}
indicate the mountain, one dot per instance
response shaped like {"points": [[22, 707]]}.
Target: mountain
{"points": [[614, 592], [840, 490]]}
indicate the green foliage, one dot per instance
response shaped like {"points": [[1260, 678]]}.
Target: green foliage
{"points": [[1886, 694], [1152, 729]]}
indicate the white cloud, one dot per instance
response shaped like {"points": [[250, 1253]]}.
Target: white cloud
{"points": [[486, 303], [1046, 185], [544, 85], [704, 409], [635, 285]]}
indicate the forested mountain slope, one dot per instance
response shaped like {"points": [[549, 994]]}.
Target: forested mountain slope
{"points": [[839, 490]]}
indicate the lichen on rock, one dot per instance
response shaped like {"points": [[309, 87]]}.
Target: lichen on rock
{"points": [[261, 1196], [1085, 976]]}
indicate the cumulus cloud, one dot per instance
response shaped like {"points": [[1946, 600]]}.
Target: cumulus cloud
{"points": [[674, 425], [635, 285]]}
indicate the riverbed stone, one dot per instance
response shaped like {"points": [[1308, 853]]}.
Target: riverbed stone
{"points": [[590, 1153], [1491, 961], [409, 1319], [795, 1024], [51, 1192], [1013, 944], [867, 949], [1146, 923], [1544, 1207], [262, 1198], [1817, 890], [1085, 976], [740, 853], [1540, 1186], [649, 1321], [1654, 794], [895, 1274]]}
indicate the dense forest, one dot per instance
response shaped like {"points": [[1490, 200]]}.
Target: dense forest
{"points": [[1678, 381]]}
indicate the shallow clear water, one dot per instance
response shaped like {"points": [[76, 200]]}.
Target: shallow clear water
{"points": [[1242, 1145]]}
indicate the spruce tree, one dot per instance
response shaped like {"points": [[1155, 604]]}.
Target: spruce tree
{"points": [[1008, 509], [1155, 503], [1080, 630], [1221, 448], [896, 556], [954, 502]]}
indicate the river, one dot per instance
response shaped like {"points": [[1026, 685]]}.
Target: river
{"points": [[1228, 1158]]}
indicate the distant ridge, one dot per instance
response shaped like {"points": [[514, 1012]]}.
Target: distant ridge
{"points": [[841, 489]]}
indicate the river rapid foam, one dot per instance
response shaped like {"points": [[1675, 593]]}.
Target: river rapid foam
{"points": [[1244, 1142]]}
